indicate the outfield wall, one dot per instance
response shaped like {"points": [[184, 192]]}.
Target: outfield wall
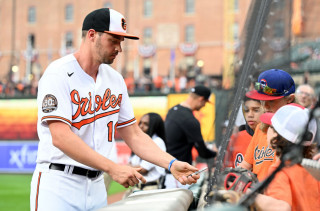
{"points": [[18, 128], [19, 116]]}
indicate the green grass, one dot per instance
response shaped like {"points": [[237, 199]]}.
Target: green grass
{"points": [[115, 188], [15, 191]]}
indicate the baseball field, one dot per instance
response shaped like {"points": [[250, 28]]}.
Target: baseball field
{"points": [[15, 190]]}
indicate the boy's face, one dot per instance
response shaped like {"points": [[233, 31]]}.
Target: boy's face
{"points": [[273, 105], [252, 112]]}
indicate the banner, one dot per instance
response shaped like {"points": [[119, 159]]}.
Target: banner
{"points": [[18, 156], [21, 156]]}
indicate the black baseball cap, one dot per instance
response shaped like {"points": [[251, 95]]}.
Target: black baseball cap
{"points": [[202, 91], [107, 20]]}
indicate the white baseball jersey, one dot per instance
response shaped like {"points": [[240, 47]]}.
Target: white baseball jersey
{"points": [[154, 171], [93, 109]]}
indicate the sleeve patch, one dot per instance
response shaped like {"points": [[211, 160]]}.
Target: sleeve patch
{"points": [[49, 103]]}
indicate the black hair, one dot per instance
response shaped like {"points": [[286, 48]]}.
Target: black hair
{"points": [[156, 126], [245, 99]]}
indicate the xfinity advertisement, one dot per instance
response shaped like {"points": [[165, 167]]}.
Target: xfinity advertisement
{"points": [[18, 156]]}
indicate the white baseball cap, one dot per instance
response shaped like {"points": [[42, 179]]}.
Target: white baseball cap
{"points": [[290, 122], [107, 20]]}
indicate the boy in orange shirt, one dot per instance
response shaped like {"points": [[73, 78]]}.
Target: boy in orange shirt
{"points": [[275, 88], [239, 142], [292, 188]]}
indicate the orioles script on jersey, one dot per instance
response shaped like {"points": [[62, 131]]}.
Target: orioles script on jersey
{"points": [[263, 154], [85, 106]]}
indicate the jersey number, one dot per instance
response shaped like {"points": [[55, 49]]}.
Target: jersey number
{"points": [[110, 130]]}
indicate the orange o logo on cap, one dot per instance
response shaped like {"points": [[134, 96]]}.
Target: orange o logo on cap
{"points": [[123, 24]]}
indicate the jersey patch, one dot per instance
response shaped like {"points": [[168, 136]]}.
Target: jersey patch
{"points": [[49, 103]]}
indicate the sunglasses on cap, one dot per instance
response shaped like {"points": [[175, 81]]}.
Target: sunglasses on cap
{"points": [[268, 90]]}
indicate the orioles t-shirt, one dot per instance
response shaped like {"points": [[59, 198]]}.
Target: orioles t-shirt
{"points": [[295, 186], [259, 154], [237, 148]]}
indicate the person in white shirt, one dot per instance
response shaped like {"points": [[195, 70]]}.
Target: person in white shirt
{"points": [[153, 125]]}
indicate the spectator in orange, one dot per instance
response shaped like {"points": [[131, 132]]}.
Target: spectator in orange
{"points": [[177, 85], [275, 88], [1, 88], [292, 188], [157, 82], [239, 142]]}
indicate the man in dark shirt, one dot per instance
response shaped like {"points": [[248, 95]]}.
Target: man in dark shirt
{"points": [[183, 130]]}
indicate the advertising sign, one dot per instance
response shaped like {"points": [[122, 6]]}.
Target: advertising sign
{"points": [[18, 156]]}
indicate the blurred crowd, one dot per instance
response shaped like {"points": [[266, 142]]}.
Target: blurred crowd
{"points": [[143, 85], [10, 89], [166, 84]]}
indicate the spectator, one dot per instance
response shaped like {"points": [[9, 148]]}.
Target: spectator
{"points": [[182, 81], [305, 96], [153, 125], [293, 188], [239, 142], [275, 88], [158, 83], [129, 80]]}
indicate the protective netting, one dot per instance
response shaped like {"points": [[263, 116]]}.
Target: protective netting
{"points": [[270, 40]]}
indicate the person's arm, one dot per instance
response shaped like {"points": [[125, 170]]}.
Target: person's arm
{"points": [[192, 130], [247, 162], [203, 151], [143, 146], [246, 165], [265, 203], [74, 147]]}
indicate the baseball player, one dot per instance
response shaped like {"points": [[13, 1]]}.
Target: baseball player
{"points": [[81, 101]]}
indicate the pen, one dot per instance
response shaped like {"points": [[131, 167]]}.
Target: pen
{"points": [[198, 172]]}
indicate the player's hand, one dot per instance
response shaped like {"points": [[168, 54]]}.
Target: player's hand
{"points": [[126, 175], [181, 170]]}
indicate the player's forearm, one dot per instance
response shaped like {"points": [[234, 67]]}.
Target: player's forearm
{"points": [[73, 146], [151, 152], [143, 146]]}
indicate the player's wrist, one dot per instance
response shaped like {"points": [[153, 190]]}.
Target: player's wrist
{"points": [[170, 164]]}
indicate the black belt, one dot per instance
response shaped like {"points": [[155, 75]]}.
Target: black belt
{"points": [[76, 170]]}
